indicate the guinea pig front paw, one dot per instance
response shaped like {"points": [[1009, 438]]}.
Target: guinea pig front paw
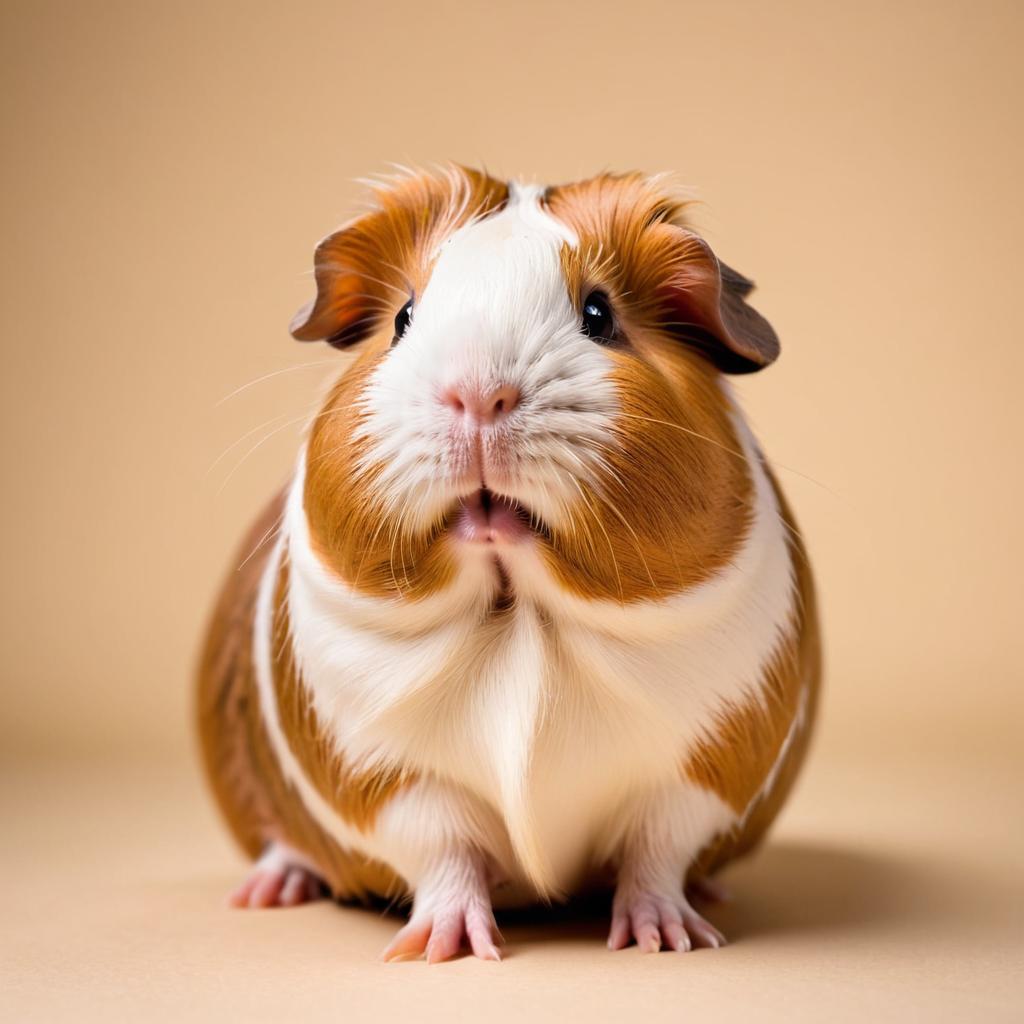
{"points": [[454, 902], [439, 936], [659, 920]]}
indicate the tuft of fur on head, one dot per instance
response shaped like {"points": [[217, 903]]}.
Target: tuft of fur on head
{"points": [[367, 263]]}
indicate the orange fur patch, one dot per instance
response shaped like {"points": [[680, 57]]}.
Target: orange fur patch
{"points": [[672, 504]]}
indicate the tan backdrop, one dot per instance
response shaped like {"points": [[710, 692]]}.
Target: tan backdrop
{"points": [[169, 167]]}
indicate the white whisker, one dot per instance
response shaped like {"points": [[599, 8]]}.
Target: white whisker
{"points": [[268, 376]]}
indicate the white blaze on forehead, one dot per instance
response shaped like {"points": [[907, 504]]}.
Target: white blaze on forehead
{"points": [[522, 216], [526, 200], [497, 281], [496, 311]]}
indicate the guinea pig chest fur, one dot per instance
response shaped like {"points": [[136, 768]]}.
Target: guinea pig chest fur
{"points": [[532, 615]]}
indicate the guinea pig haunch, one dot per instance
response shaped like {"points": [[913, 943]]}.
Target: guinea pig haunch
{"points": [[537, 617]]}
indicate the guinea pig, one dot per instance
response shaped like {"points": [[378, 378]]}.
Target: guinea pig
{"points": [[532, 616]]}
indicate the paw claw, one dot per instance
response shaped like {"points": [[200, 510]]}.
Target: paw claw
{"points": [[438, 940], [410, 942], [618, 937], [659, 921]]}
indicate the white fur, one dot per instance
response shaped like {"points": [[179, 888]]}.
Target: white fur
{"points": [[660, 833], [496, 311], [538, 733]]}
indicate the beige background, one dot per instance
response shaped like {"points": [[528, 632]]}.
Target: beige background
{"points": [[168, 169]]}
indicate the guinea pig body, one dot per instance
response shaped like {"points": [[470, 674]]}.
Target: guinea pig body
{"points": [[532, 614]]}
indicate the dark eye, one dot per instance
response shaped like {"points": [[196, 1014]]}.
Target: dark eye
{"points": [[402, 320], [597, 317]]}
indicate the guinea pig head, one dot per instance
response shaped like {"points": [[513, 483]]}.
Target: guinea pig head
{"points": [[536, 391]]}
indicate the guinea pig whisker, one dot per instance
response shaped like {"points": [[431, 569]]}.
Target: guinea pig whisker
{"points": [[234, 444], [306, 418], [414, 514], [636, 540], [574, 456], [329, 454], [686, 430], [368, 547], [274, 530], [796, 549], [605, 465], [589, 534], [396, 537], [601, 451], [562, 473], [268, 376], [263, 440], [773, 463], [608, 540], [605, 498], [409, 517]]}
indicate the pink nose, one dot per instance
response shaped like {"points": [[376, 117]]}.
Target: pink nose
{"points": [[482, 405]]}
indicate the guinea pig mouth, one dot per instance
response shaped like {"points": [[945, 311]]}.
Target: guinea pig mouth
{"points": [[484, 517]]}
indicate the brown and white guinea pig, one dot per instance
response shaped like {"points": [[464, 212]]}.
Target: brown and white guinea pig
{"points": [[532, 614]]}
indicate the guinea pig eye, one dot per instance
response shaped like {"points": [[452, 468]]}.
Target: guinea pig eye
{"points": [[597, 317], [402, 320]]}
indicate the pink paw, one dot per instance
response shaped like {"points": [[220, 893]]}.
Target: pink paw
{"points": [[452, 902], [280, 878], [439, 935], [659, 921]]}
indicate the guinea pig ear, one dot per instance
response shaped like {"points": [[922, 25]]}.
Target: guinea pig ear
{"points": [[706, 299], [345, 309]]}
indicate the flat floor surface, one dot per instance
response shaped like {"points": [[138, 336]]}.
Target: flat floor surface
{"points": [[890, 890]]}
